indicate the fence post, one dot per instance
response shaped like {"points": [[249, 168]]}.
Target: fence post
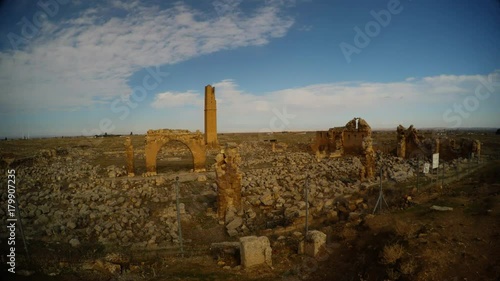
{"points": [[418, 170], [307, 205], [442, 176], [178, 214]]}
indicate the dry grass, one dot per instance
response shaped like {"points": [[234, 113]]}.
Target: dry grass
{"points": [[392, 274], [405, 229], [408, 267], [392, 253], [349, 233]]}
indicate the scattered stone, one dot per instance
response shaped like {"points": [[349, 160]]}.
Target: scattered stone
{"points": [[235, 223], [441, 208], [267, 199], [314, 243], [75, 243], [255, 251]]}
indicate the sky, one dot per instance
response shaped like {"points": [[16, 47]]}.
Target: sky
{"points": [[71, 68]]}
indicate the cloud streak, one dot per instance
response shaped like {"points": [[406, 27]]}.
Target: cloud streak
{"points": [[173, 99], [91, 57]]}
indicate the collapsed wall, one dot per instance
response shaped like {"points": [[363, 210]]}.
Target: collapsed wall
{"points": [[228, 181], [411, 144], [353, 139]]}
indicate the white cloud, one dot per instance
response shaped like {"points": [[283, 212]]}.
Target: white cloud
{"points": [[172, 99], [92, 56], [317, 106]]}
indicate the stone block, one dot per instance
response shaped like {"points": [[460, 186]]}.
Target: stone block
{"points": [[255, 251], [313, 244]]}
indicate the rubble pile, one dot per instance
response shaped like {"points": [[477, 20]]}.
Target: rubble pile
{"points": [[65, 199]]}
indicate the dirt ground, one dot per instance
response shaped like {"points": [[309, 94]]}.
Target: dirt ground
{"points": [[434, 245]]}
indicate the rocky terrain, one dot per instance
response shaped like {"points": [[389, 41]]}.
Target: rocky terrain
{"points": [[81, 199]]}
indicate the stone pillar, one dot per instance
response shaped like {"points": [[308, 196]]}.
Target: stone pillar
{"points": [[129, 151], [210, 117], [150, 152], [369, 158], [476, 148], [401, 146], [436, 146], [228, 179]]}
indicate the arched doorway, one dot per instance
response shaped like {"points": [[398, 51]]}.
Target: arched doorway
{"points": [[155, 139], [174, 156]]}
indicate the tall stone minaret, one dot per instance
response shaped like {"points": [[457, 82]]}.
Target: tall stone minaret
{"points": [[210, 117]]}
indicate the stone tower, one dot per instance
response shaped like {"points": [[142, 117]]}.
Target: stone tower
{"points": [[210, 117]]}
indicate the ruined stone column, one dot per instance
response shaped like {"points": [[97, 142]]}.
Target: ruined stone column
{"points": [[129, 151], [436, 146], [228, 181], [210, 117], [476, 148], [369, 155], [401, 148]]}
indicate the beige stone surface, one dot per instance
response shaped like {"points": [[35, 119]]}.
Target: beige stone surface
{"points": [[314, 243], [255, 251], [411, 144], [228, 179], [210, 117], [352, 139], [155, 139]]}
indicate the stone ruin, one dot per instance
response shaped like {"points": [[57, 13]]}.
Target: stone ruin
{"points": [[228, 179], [255, 251], [155, 139], [196, 143], [210, 117], [129, 152], [411, 144], [352, 139]]}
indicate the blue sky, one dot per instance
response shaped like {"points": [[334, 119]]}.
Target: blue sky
{"points": [[89, 67]]}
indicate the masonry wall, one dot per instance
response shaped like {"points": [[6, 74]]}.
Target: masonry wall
{"points": [[353, 142], [210, 116]]}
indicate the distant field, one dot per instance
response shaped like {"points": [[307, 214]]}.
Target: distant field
{"points": [[382, 140]]}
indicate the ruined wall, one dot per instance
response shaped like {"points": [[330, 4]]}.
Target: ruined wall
{"points": [[353, 135], [464, 148], [352, 139], [369, 158], [401, 146], [210, 117], [411, 145], [343, 140], [228, 179], [155, 139]]}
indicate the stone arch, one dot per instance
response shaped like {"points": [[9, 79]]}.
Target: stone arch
{"points": [[155, 139]]}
